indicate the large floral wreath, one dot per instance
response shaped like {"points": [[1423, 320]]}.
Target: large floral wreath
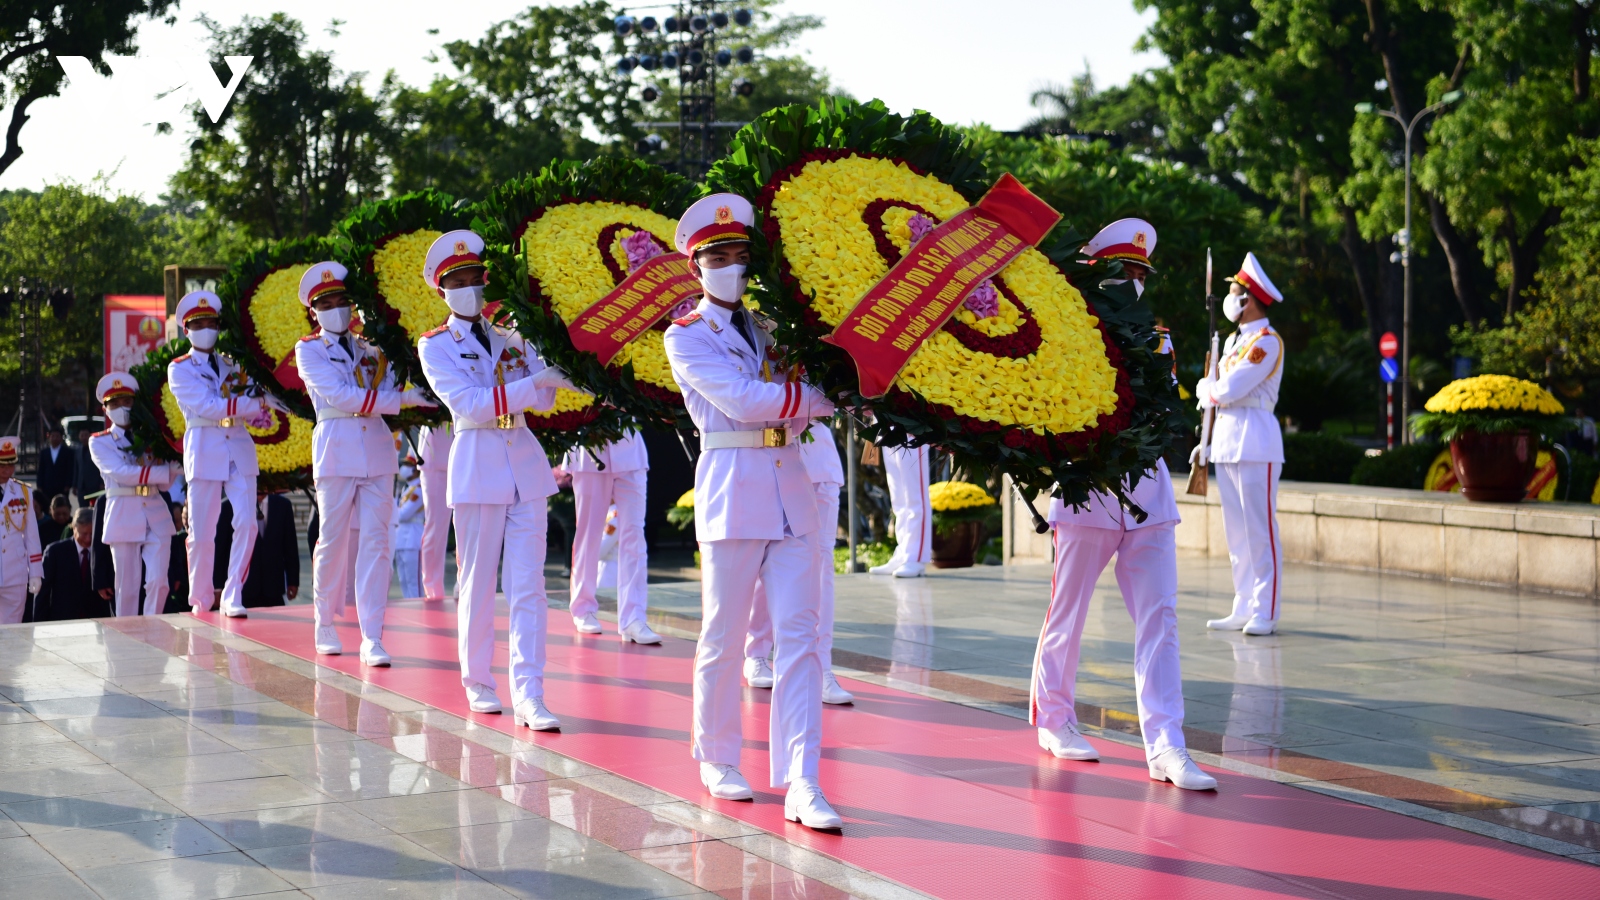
{"points": [[283, 449], [1042, 373], [264, 319], [568, 236]]}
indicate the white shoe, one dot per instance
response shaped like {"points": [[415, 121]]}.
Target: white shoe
{"points": [[238, 612], [1066, 743], [910, 570], [888, 568], [481, 699], [586, 624], [373, 654], [533, 714], [1227, 623], [640, 634], [328, 641], [806, 805], [1174, 765], [724, 782], [832, 692], [757, 672], [1259, 626]]}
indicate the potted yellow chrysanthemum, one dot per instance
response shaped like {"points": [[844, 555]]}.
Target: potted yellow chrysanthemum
{"points": [[1493, 424], [961, 511], [681, 513]]}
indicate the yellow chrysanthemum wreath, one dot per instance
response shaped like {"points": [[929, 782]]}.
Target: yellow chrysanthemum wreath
{"points": [[398, 265], [288, 454], [276, 316]]}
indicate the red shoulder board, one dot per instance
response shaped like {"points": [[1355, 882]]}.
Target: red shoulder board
{"points": [[101, 433], [180, 358], [310, 337], [440, 330], [690, 319]]}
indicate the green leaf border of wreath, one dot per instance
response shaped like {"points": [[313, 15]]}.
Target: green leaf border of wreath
{"points": [[504, 216], [1111, 462], [237, 288]]}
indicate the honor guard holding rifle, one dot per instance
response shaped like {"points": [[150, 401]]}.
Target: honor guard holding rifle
{"points": [[1147, 573], [352, 462], [219, 456], [1247, 446], [21, 559], [138, 523], [755, 514], [614, 474], [499, 478]]}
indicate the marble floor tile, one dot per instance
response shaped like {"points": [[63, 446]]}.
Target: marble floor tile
{"points": [[253, 829], [110, 845], [427, 812], [59, 886], [210, 877], [245, 793], [23, 856], [89, 811], [380, 858]]}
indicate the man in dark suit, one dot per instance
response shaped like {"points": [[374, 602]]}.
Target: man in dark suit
{"points": [[178, 566], [275, 564], [56, 524], [57, 464], [67, 591]]}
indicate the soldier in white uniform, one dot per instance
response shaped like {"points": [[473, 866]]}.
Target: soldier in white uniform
{"points": [[435, 472], [906, 470], [1247, 446], [755, 510], [138, 524], [1147, 573], [821, 457], [353, 464], [621, 481], [499, 478], [21, 559], [408, 531], [219, 457]]}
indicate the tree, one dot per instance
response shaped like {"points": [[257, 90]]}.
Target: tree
{"points": [[34, 32], [300, 145]]}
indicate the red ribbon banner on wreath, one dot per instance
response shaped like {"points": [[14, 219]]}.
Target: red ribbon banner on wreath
{"points": [[639, 302], [926, 287]]}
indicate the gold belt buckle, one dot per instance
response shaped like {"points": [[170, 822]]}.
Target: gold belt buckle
{"points": [[225, 422], [774, 437], [141, 490], [506, 421]]}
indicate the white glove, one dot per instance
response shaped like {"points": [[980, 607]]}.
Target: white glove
{"points": [[34, 584], [552, 377], [413, 396], [819, 407], [273, 402], [1197, 456], [1202, 393]]}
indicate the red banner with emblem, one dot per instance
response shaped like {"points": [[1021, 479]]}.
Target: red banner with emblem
{"points": [[639, 302], [926, 287]]}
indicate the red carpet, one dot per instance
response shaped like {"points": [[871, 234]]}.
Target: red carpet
{"points": [[958, 802]]}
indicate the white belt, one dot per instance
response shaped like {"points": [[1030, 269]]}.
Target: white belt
{"points": [[760, 438], [227, 422], [324, 415], [138, 490], [503, 423], [1250, 403]]}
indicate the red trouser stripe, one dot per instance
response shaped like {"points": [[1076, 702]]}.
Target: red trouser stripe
{"points": [[1272, 543]]}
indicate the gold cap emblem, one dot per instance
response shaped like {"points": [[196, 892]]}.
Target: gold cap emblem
{"points": [[1138, 239], [116, 383], [461, 247], [724, 215], [327, 274]]}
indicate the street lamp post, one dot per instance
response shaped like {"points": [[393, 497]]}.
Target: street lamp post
{"points": [[1405, 252]]}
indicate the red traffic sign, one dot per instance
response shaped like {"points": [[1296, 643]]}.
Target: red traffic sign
{"points": [[1389, 345]]}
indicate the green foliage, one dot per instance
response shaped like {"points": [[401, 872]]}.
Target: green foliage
{"points": [[1332, 378], [681, 516], [1319, 457], [945, 523], [1446, 427], [236, 289], [1405, 466], [873, 554], [148, 429]]}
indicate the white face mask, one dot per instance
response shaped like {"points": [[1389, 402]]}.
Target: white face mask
{"points": [[122, 415], [336, 320], [465, 302], [1233, 306], [203, 338], [726, 284]]}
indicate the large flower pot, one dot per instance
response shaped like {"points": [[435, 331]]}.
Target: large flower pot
{"points": [[1495, 468], [957, 548]]}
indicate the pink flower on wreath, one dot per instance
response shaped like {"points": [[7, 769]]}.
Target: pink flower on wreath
{"points": [[641, 247], [683, 308], [984, 301]]}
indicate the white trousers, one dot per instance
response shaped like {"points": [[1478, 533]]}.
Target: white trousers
{"points": [[127, 558], [907, 471], [592, 495], [354, 516], [1147, 573], [730, 569], [205, 502], [1250, 520], [435, 532], [13, 603], [408, 570], [759, 641], [512, 538]]}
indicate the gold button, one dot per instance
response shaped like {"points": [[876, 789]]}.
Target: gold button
{"points": [[780, 463]]}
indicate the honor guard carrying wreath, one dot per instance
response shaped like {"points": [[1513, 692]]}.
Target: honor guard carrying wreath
{"points": [[1247, 446], [138, 523], [499, 478], [353, 462], [21, 559], [219, 456], [755, 513], [1147, 573], [614, 474]]}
